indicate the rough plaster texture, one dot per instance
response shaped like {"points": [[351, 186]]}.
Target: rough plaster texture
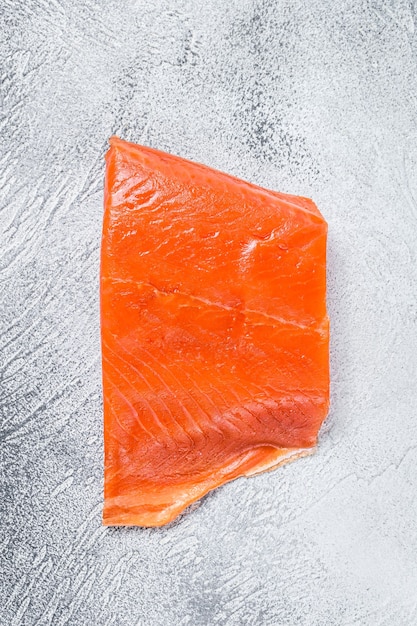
{"points": [[309, 97]]}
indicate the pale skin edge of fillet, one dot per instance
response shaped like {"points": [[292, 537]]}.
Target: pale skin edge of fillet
{"points": [[171, 512]]}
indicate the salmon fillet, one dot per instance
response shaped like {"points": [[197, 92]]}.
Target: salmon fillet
{"points": [[215, 336]]}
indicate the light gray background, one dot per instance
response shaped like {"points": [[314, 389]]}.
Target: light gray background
{"points": [[316, 98]]}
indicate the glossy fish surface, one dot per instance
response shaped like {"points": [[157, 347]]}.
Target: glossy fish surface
{"points": [[215, 336]]}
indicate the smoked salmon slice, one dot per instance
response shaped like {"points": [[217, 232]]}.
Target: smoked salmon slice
{"points": [[215, 336]]}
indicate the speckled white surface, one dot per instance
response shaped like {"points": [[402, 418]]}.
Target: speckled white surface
{"points": [[316, 98]]}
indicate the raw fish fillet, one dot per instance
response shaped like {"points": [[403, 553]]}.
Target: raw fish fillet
{"points": [[215, 336]]}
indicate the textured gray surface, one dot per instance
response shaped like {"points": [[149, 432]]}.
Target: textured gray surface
{"points": [[317, 98]]}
